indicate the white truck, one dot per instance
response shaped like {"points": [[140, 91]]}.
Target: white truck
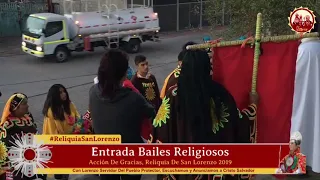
{"points": [[48, 34]]}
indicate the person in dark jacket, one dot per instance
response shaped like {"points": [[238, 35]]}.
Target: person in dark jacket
{"points": [[115, 109], [146, 82]]}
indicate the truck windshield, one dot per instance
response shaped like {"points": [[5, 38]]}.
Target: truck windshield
{"points": [[34, 26]]}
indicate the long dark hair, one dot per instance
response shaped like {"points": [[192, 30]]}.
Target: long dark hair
{"points": [[184, 47], [56, 104], [113, 67], [184, 50], [195, 91]]}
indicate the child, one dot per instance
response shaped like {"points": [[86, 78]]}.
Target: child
{"points": [[60, 115], [59, 112], [145, 82]]}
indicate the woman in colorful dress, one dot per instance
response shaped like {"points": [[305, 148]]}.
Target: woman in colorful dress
{"points": [[16, 121], [60, 114]]}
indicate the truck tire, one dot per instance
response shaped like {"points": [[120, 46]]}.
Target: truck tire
{"points": [[61, 54], [133, 46]]}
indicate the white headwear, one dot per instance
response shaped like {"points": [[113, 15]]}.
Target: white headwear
{"points": [[95, 80], [296, 136]]}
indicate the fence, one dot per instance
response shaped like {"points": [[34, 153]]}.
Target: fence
{"points": [[172, 17], [189, 15], [84, 5], [14, 14]]}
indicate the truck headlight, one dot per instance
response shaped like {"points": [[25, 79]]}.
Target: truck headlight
{"points": [[23, 43], [39, 48]]}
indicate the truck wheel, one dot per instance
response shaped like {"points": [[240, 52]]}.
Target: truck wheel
{"points": [[61, 54], [133, 46]]}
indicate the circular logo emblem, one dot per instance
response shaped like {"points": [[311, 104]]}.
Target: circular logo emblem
{"points": [[27, 154], [302, 20]]}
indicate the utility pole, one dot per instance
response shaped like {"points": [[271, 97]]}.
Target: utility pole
{"points": [[178, 14], [50, 6], [223, 12], [201, 11]]}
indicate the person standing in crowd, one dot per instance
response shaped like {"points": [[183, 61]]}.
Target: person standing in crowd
{"points": [[60, 114], [115, 109], [145, 82], [146, 127], [130, 74], [16, 120], [200, 110], [172, 78], [305, 111]]}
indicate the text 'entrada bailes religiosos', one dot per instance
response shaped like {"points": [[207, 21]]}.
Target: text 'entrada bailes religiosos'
{"points": [[157, 151]]}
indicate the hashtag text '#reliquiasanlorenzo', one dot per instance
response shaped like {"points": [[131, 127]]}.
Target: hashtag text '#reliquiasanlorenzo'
{"points": [[82, 138]]}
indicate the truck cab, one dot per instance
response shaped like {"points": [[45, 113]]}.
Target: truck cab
{"points": [[46, 34]]}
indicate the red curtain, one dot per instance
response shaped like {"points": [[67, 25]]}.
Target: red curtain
{"points": [[275, 84]]}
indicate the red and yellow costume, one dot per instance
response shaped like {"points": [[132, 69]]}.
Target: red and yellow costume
{"points": [[298, 165], [171, 80]]}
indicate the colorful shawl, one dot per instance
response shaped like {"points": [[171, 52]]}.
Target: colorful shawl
{"points": [[12, 104], [83, 125]]}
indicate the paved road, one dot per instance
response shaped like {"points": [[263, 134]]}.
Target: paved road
{"points": [[34, 76], [23, 73]]}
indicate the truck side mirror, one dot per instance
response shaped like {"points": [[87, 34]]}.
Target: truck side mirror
{"points": [[44, 31]]}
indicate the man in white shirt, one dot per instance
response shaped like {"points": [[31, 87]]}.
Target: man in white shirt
{"points": [[306, 101]]}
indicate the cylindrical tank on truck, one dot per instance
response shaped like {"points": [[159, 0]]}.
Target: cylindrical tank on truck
{"points": [[58, 35]]}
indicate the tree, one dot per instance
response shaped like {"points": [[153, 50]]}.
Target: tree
{"points": [[243, 14]]}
